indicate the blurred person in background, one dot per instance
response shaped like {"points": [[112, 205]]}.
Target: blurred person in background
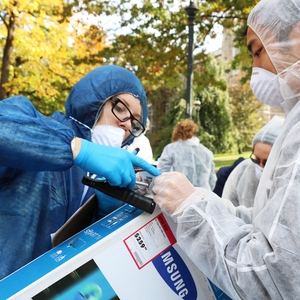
{"points": [[241, 185], [223, 174], [187, 155]]}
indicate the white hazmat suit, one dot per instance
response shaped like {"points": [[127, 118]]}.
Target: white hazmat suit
{"points": [[260, 259], [242, 183], [192, 159]]}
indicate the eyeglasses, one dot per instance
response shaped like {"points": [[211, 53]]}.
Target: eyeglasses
{"points": [[123, 114], [257, 160]]}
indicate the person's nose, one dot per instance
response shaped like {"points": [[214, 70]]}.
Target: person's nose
{"points": [[125, 125]]}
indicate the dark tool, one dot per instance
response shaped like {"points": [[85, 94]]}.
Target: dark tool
{"points": [[123, 194]]}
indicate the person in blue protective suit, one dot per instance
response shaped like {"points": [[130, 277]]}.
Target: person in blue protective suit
{"points": [[252, 253], [43, 159]]}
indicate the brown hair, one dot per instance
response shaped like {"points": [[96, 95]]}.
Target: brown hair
{"points": [[185, 129]]}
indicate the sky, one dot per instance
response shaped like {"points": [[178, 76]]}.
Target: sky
{"points": [[214, 44]]}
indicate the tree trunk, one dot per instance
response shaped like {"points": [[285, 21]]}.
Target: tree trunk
{"points": [[7, 55]]}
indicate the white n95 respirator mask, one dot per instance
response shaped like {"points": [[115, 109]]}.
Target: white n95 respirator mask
{"points": [[265, 86], [258, 171], [108, 135]]}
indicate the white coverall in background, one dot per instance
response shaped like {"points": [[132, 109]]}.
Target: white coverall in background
{"points": [[192, 159], [242, 183]]}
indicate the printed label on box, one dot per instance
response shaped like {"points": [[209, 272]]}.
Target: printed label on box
{"points": [[149, 241]]}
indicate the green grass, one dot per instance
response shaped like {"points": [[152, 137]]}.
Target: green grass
{"points": [[222, 160]]}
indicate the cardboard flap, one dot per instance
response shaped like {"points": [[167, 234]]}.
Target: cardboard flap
{"points": [[81, 219]]}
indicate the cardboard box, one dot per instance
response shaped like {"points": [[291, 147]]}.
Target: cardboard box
{"points": [[128, 254]]}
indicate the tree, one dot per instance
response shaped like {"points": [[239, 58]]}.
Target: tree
{"points": [[215, 120], [156, 50], [45, 52], [174, 113], [214, 117], [244, 115], [47, 47]]}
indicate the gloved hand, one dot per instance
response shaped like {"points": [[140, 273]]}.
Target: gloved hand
{"points": [[106, 204], [115, 164], [170, 190]]}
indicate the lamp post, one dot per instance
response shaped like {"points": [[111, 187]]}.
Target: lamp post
{"points": [[191, 11]]}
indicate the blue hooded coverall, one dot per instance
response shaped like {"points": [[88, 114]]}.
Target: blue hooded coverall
{"points": [[40, 188]]}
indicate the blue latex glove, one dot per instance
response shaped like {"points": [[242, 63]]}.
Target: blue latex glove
{"points": [[106, 204], [114, 164]]}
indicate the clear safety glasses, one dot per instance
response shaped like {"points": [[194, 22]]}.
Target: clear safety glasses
{"points": [[123, 114]]}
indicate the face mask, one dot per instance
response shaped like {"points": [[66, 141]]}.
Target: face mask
{"points": [[108, 135], [265, 87], [258, 171]]}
